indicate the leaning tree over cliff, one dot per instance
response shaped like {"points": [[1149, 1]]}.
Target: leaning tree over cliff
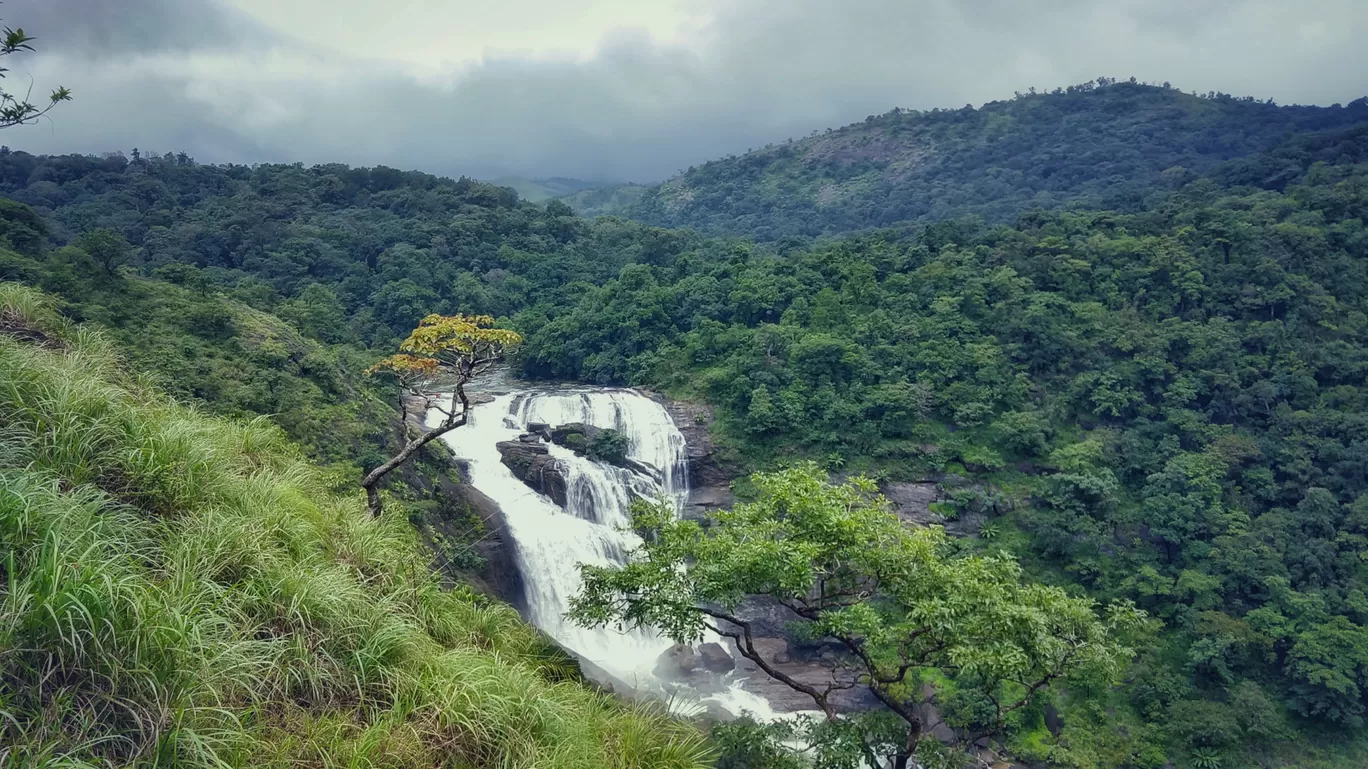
{"points": [[445, 351], [902, 605]]}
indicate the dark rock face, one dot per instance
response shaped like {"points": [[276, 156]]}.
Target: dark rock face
{"points": [[533, 464], [501, 573], [1054, 721], [574, 435], [709, 479], [715, 659], [693, 419], [775, 651], [912, 503], [706, 500]]}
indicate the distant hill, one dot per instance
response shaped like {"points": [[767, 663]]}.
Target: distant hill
{"points": [[612, 199], [542, 190], [1102, 144]]}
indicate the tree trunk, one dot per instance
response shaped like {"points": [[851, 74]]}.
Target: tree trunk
{"points": [[904, 756], [372, 480], [454, 420]]}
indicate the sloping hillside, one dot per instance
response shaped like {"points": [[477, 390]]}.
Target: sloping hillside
{"points": [[180, 590], [603, 201], [542, 190], [1088, 146]]}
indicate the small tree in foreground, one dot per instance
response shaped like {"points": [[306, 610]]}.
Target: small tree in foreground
{"points": [[445, 351], [901, 605]]}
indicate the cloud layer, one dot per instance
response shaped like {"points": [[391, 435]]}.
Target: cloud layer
{"points": [[633, 102]]}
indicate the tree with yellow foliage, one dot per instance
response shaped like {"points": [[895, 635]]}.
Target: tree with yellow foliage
{"points": [[444, 351]]}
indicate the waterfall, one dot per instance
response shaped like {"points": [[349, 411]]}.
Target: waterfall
{"points": [[550, 542]]}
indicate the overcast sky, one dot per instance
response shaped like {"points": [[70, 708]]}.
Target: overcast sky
{"points": [[618, 89]]}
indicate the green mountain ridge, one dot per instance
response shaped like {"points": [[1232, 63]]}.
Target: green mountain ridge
{"points": [[1103, 144]]}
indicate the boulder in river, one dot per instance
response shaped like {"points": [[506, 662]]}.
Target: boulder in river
{"points": [[714, 658], [533, 464], [679, 662], [701, 672], [574, 436]]}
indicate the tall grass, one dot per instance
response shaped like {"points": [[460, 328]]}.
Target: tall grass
{"points": [[178, 590]]}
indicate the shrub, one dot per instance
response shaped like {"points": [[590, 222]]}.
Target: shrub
{"points": [[609, 446]]}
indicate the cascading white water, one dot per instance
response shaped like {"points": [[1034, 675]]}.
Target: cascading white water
{"points": [[550, 543]]}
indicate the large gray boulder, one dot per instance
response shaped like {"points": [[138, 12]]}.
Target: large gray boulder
{"points": [[533, 464], [575, 435], [715, 659]]}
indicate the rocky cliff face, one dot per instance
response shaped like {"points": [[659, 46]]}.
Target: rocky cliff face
{"points": [[500, 575], [439, 478], [912, 503], [709, 478], [532, 463]]}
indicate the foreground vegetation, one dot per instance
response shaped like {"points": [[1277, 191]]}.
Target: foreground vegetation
{"points": [[182, 590], [907, 611]]}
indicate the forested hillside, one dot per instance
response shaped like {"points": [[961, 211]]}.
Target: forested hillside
{"points": [[1167, 406], [348, 255], [1163, 403], [1103, 144]]}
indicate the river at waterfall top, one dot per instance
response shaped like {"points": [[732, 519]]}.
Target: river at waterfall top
{"points": [[550, 543]]}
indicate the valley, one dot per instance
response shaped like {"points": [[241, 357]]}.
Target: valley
{"points": [[1113, 336]]}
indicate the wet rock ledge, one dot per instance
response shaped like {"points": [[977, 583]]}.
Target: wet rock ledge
{"points": [[532, 463]]}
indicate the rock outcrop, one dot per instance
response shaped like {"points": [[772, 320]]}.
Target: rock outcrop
{"points": [[704, 669], [912, 503], [777, 654], [500, 574], [532, 463], [575, 436], [709, 478], [715, 659], [448, 522]]}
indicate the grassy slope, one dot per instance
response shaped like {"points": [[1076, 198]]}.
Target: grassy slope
{"points": [[206, 348], [185, 590]]}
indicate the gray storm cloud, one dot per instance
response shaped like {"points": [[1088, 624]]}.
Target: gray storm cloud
{"points": [[198, 76]]}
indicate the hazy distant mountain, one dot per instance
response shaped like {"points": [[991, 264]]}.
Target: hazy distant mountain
{"points": [[542, 190], [600, 201]]}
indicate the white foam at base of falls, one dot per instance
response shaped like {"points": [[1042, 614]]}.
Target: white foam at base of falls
{"points": [[550, 543]]}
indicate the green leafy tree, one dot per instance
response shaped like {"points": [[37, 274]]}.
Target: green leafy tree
{"points": [[108, 248], [318, 313], [897, 600], [18, 110], [445, 351]]}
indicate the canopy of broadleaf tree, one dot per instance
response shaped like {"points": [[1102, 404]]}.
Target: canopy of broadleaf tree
{"points": [[900, 601]]}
